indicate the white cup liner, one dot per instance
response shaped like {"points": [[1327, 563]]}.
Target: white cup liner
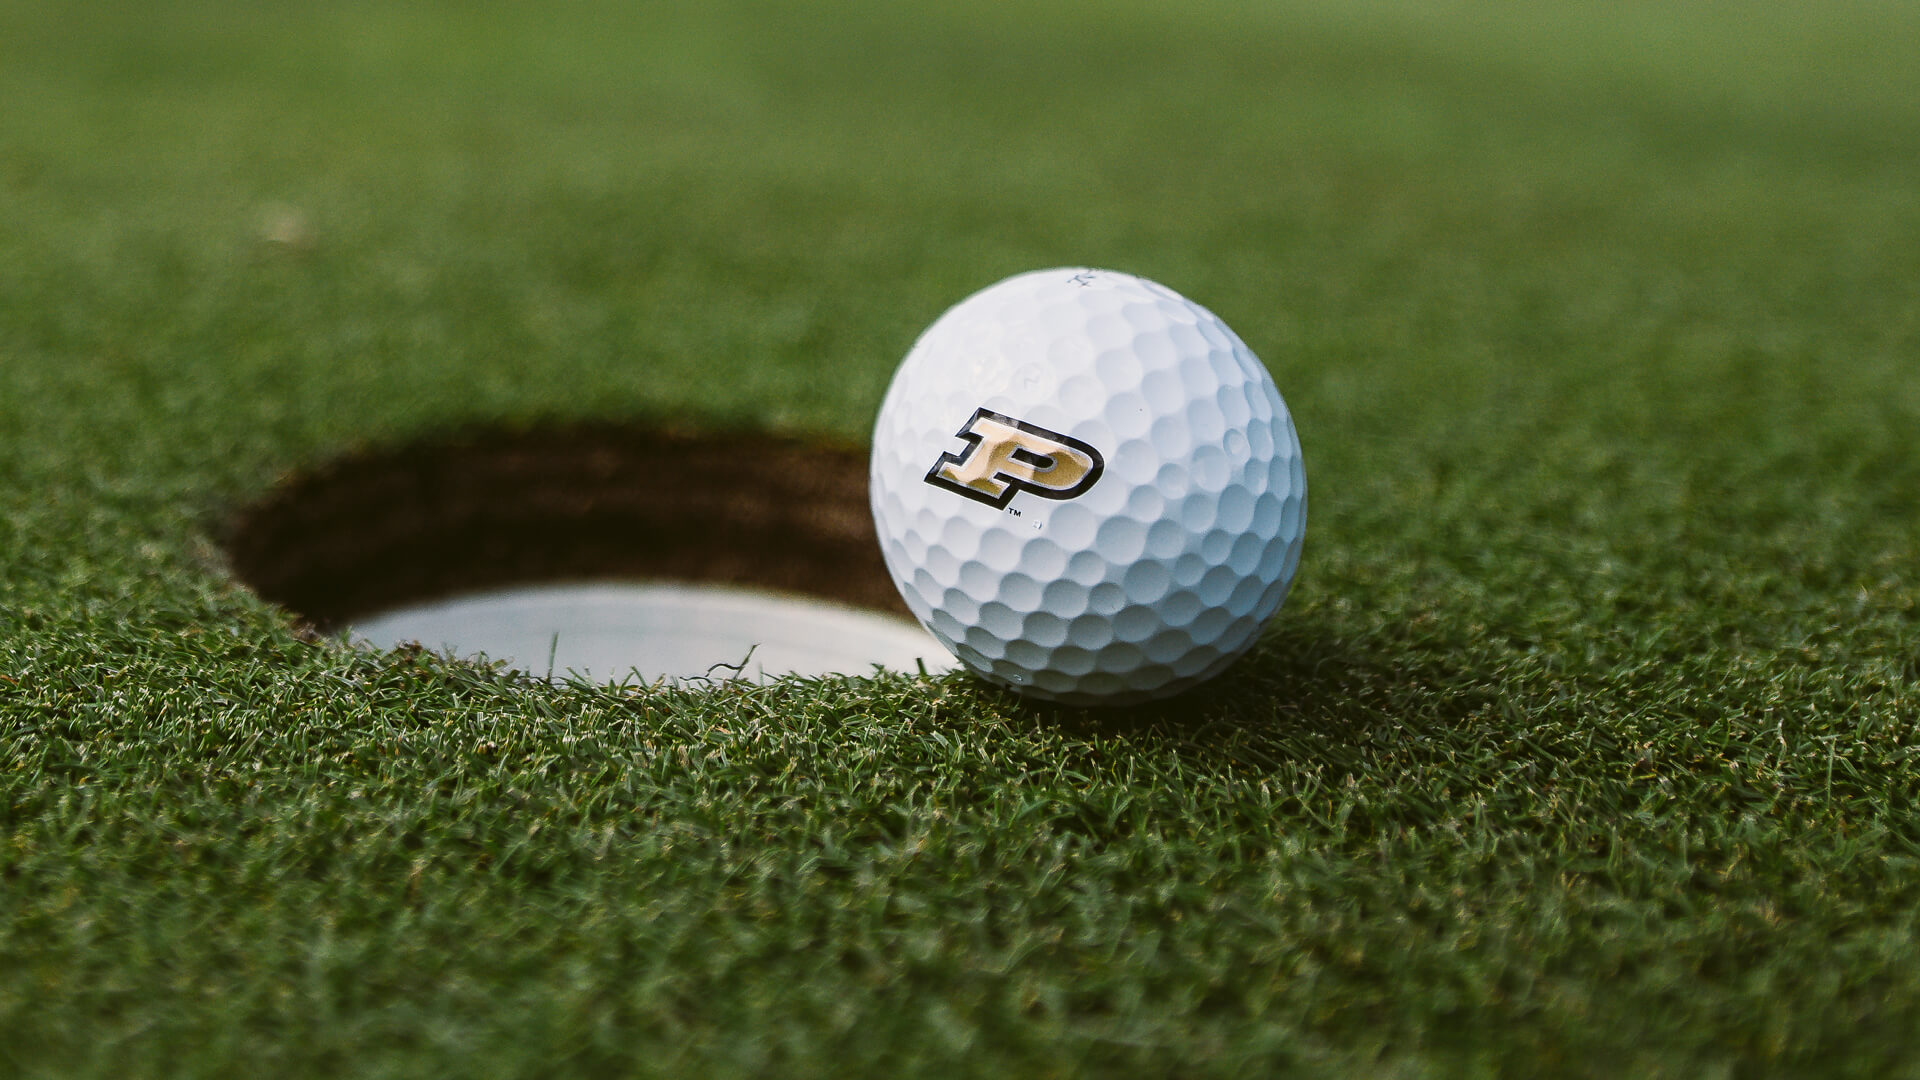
{"points": [[607, 632]]}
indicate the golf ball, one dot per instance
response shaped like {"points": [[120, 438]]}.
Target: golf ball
{"points": [[1087, 487]]}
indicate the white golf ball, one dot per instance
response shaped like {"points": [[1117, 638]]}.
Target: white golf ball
{"points": [[1087, 487]]}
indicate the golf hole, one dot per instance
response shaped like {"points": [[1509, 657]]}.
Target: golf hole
{"points": [[603, 552]]}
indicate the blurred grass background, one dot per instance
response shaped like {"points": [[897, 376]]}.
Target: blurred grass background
{"points": [[1586, 743]]}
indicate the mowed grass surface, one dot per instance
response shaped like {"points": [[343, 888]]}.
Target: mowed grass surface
{"points": [[1586, 745]]}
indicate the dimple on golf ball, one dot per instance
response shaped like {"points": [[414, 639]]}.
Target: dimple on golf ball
{"points": [[1087, 487]]}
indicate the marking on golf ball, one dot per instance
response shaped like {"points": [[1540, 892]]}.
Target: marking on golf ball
{"points": [[1004, 457], [1163, 531]]}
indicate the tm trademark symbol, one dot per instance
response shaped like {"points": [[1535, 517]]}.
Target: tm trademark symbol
{"points": [[1012, 511]]}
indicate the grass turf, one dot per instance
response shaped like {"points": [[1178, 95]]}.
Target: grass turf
{"points": [[1585, 745]]}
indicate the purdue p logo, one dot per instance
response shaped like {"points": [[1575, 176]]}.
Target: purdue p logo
{"points": [[1005, 456]]}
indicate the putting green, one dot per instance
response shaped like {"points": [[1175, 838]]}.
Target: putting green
{"points": [[1584, 745]]}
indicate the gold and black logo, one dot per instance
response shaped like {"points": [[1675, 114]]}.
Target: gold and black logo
{"points": [[1005, 456]]}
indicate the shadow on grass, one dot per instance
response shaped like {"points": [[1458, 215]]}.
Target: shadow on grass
{"points": [[1301, 695]]}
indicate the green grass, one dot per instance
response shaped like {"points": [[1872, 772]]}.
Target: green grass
{"points": [[1586, 745]]}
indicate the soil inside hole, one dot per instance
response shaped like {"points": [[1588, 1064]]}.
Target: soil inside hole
{"points": [[384, 528]]}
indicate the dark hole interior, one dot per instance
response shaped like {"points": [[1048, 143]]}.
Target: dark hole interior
{"points": [[384, 528]]}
